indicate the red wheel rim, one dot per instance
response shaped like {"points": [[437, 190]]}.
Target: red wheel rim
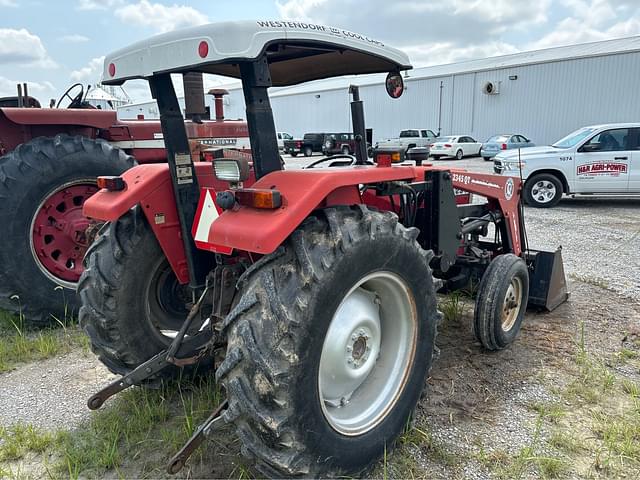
{"points": [[58, 229]]}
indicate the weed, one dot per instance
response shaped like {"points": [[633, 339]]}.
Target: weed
{"points": [[566, 441], [453, 307]]}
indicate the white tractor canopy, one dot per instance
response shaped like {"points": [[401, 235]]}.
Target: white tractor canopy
{"points": [[296, 51]]}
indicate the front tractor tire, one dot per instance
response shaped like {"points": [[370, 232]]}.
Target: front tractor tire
{"points": [[132, 303], [501, 302], [43, 186], [330, 345]]}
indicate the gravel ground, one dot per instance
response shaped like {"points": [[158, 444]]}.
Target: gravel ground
{"points": [[53, 393]]}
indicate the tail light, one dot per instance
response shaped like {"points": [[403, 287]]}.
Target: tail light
{"points": [[447, 145], [259, 198], [113, 184], [503, 146], [298, 144]]}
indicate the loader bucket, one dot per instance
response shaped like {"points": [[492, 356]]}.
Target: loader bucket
{"points": [[547, 283]]}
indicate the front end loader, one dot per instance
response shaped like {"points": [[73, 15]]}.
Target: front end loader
{"points": [[309, 294]]}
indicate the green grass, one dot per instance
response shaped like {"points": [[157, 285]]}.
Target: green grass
{"points": [[20, 439], [20, 344], [141, 425]]}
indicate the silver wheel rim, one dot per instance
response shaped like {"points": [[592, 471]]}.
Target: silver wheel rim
{"points": [[543, 191], [367, 353], [511, 304]]}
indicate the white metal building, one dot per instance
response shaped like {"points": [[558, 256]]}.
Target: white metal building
{"points": [[542, 94]]}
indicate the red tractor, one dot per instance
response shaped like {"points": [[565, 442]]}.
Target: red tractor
{"points": [[49, 161], [312, 292]]}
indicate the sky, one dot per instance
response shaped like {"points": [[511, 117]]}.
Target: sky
{"points": [[51, 44]]}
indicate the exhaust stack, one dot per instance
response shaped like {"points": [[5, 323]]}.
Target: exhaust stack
{"points": [[218, 93], [194, 96]]}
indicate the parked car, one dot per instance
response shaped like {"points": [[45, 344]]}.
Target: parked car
{"points": [[507, 141], [344, 143], [410, 138], [282, 136], [455, 146], [595, 159], [311, 142]]}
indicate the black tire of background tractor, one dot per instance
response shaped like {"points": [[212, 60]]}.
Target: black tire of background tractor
{"points": [[27, 174], [542, 177], [487, 319], [308, 151], [116, 311], [276, 332], [459, 155]]}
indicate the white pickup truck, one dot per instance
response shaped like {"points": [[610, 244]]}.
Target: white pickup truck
{"points": [[600, 159], [413, 137]]}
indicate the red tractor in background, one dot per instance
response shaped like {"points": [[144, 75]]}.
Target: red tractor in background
{"points": [[49, 161], [312, 292]]}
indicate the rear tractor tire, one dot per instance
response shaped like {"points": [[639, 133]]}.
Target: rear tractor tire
{"points": [[330, 345], [501, 302], [43, 186], [132, 303]]}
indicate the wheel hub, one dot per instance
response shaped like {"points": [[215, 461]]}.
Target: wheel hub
{"points": [[511, 304], [58, 237], [367, 353], [353, 345], [543, 191]]}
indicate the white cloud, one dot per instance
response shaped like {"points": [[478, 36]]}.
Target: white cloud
{"points": [[160, 17], [8, 88], [440, 53], [8, 3], [593, 20], [98, 4], [23, 47], [74, 38], [92, 71]]}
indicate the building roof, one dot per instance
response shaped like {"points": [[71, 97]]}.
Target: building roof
{"points": [[554, 54]]}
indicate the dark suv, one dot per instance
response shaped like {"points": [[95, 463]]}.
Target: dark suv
{"points": [[343, 143], [311, 142]]}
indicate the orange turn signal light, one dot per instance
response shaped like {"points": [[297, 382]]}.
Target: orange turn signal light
{"points": [[113, 184], [258, 198]]}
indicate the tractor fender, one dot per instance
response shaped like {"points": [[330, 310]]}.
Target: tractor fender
{"points": [[262, 231], [149, 186]]}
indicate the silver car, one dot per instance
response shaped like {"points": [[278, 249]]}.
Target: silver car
{"points": [[508, 141]]}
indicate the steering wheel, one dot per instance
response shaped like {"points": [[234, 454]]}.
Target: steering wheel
{"points": [[351, 160], [76, 101]]}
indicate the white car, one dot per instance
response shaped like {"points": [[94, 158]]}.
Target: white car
{"points": [[455, 146], [597, 159], [282, 136]]}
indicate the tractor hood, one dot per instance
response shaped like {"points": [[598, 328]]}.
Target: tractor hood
{"points": [[296, 51], [55, 116]]}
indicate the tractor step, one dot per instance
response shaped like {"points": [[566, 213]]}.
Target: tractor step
{"points": [[211, 424]]}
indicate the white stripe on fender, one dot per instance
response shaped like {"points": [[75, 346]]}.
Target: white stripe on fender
{"points": [[206, 214], [222, 142]]}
